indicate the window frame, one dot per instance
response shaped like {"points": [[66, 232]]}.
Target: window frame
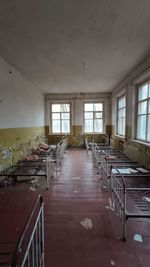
{"points": [[147, 112], [118, 98], [50, 117], [103, 116]]}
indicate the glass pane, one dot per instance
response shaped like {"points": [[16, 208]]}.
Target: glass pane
{"points": [[141, 133], [119, 103], [149, 106], [149, 89], [65, 107], [55, 107], [143, 91], [88, 107], [142, 107], [148, 129], [98, 115], [98, 126], [122, 102], [120, 113], [123, 112], [88, 115], [98, 107], [120, 126], [65, 126], [55, 116], [89, 126], [123, 126], [65, 116], [56, 126]]}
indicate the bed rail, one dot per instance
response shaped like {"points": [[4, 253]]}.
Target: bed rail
{"points": [[118, 195], [129, 201], [30, 248]]}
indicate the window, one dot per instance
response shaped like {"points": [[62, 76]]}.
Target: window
{"points": [[121, 113], [93, 117], [143, 112], [60, 118]]}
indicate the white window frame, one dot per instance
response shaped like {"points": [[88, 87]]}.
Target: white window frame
{"points": [[60, 102], [147, 113], [93, 102], [121, 133]]}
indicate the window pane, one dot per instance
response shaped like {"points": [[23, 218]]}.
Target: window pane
{"points": [[56, 116], [123, 112], [141, 127], [65, 107], [123, 126], [143, 91], [88, 107], [124, 101], [88, 115], [142, 107], [98, 107], [65, 116], [149, 106], [98, 127], [148, 129], [89, 126], [65, 126], [120, 126], [98, 115], [120, 113], [55, 107], [56, 126]]}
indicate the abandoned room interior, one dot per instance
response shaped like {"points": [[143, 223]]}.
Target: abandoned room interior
{"points": [[74, 133]]}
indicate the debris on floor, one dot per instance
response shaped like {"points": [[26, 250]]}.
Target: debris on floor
{"points": [[32, 189], [35, 183], [147, 199], [110, 206], [76, 191], [75, 178], [87, 223], [112, 263], [138, 238]]}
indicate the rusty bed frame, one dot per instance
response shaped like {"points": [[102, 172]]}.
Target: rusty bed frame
{"points": [[129, 197]]}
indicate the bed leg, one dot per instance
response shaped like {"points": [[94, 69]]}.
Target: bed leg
{"points": [[124, 229]]}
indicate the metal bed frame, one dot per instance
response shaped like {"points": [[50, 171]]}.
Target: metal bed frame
{"points": [[105, 164], [30, 169], [45, 166], [128, 198], [30, 247]]}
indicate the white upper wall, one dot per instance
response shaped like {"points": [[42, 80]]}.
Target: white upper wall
{"points": [[21, 104]]}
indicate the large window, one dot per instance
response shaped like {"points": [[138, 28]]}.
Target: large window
{"points": [[121, 114], [143, 113], [60, 118], [93, 117]]}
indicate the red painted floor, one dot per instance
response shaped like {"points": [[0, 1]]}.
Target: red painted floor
{"points": [[75, 194]]}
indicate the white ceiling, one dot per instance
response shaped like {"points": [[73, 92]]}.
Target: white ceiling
{"points": [[66, 46]]}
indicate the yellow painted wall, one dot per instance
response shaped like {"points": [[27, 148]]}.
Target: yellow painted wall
{"points": [[17, 142], [76, 139]]}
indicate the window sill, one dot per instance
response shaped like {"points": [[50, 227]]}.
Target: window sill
{"points": [[94, 133], [120, 137], [141, 143]]}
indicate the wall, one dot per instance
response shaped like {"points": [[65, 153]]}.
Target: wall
{"points": [[136, 150], [76, 138], [21, 114]]}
